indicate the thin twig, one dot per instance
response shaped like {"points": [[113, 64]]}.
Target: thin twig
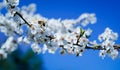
{"points": [[17, 13]]}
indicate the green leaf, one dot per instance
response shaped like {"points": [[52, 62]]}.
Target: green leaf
{"points": [[82, 32]]}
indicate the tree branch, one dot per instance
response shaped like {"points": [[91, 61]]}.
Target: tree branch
{"points": [[17, 13], [97, 47]]}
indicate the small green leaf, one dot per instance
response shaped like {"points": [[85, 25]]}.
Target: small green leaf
{"points": [[82, 32]]}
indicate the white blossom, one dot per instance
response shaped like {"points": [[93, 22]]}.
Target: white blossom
{"points": [[36, 48], [108, 34], [25, 40], [108, 38], [44, 48], [20, 39], [113, 54], [23, 25], [87, 18], [102, 54], [12, 2], [3, 54], [83, 41], [88, 32], [10, 45]]}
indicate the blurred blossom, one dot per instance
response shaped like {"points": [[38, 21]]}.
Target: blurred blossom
{"points": [[35, 47], [10, 45], [3, 54]]}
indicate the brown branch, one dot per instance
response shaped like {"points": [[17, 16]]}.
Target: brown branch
{"points": [[17, 13], [98, 47], [81, 34]]}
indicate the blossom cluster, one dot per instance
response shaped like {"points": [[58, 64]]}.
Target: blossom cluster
{"points": [[23, 26], [107, 38]]}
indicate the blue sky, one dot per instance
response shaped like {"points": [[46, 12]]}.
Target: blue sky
{"points": [[108, 15]]}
